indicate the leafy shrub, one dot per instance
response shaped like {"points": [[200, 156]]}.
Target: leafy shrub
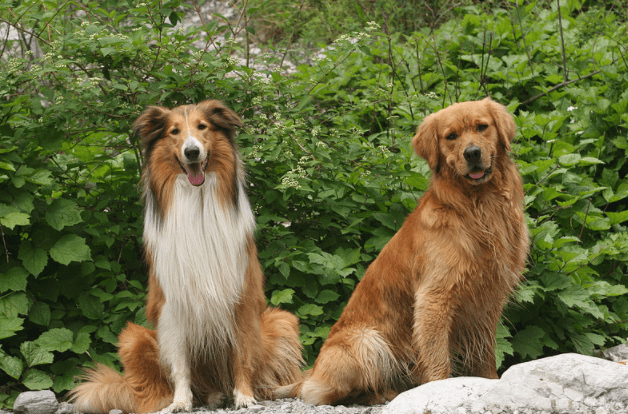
{"points": [[329, 159]]}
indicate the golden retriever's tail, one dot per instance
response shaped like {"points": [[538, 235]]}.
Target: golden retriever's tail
{"points": [[144, 388]]}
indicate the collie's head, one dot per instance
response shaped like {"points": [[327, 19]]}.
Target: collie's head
{"points": [[194, 141]]}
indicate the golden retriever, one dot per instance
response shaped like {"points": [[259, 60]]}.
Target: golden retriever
{"points": [[432, 299]]}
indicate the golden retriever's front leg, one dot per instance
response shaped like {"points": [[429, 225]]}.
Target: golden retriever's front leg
{"points": [[431, 335]]}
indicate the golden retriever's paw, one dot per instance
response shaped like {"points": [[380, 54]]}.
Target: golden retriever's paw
{"points": [[241, 400]]}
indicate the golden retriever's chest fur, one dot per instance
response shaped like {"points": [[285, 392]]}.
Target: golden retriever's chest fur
{"points": [[486, 237]]}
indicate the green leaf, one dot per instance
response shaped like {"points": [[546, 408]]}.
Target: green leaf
{"points": [[569, 159], [282, 296], [39, 313], [10, 325], [33, 259], [91, 306], [527, 342], [34, 355], [58, 339], [327, 296], [590, 161], [14, 304], [81, 343], [617, 218], [309, 309], [11, 220], [14, 279], [13, 366], [36, 380], [70, 248], [62, 213]]}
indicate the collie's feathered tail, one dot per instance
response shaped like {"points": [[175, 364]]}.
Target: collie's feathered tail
{"points": [[145, 388]]}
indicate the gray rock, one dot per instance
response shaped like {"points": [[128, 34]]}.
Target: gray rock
{"points": [[36, 402], [617, 353], [65, 408], [568, 383]]}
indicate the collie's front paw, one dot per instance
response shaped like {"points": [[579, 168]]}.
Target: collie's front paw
{"points": [[241, 400], [179, 406]]}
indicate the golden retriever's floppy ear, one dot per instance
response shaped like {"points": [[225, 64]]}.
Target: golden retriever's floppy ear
{"points": [[503, 121], [425, 142], [221, 116], [151, 124]]}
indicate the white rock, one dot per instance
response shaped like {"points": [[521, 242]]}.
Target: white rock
{"points": [[568, 383]]}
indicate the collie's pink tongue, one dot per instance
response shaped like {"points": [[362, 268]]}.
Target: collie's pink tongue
{"points": [[197, 179], [476, 175]]}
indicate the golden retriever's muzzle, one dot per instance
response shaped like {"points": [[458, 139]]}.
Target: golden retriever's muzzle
{"points": [[477, 171]]}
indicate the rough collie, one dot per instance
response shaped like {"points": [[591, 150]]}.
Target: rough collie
{"points": [[431, 300], [213, 335]]}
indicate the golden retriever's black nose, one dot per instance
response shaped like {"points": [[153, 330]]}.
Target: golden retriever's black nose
{"points": [[473, 153], [192, 153]]}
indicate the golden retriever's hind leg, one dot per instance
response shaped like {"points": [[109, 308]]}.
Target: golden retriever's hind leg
{"points": [[352, 363]]}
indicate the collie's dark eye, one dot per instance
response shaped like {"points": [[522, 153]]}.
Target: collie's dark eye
{"points": [[202, 126], [451, 136], [174, 131], [482, 127]]}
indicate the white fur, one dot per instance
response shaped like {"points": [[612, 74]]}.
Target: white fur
{"points": [[199, 254], [191, 141]]}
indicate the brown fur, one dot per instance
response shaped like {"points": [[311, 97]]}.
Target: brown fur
{"points": [[262, 351], [435, 293]]}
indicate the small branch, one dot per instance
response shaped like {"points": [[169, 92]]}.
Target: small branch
{"points": [[543, 179], [291, 38], [523, 37], [584, 224], [560, 85], [562, 41], [6, 250]]}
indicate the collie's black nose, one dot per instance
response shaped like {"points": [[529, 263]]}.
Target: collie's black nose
{"points": [[473, 153], [192, 153]]}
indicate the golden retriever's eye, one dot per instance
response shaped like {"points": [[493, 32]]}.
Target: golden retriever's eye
{"points": [[175, 131], [451, 136], [202, 126], [482, 127]]}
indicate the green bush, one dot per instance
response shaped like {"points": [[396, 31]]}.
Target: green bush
{"points": [[329, 160]]}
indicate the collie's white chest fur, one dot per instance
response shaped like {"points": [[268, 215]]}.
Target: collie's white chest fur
{"points": [[199, 255]]}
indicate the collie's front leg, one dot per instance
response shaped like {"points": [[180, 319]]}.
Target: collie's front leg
{"points": [[174, 353], [242, 378]]}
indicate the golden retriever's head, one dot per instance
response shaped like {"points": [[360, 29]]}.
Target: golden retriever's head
{"points": [[466, 138]]}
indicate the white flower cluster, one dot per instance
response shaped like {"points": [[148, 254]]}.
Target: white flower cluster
{"points": [[315, 131], [287, 182], [355, 37], [14, 65]]}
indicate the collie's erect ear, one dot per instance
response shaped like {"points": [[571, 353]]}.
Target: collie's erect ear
{"points": [[503, 121], [221, 116], [425, 142], [151, 124]]}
